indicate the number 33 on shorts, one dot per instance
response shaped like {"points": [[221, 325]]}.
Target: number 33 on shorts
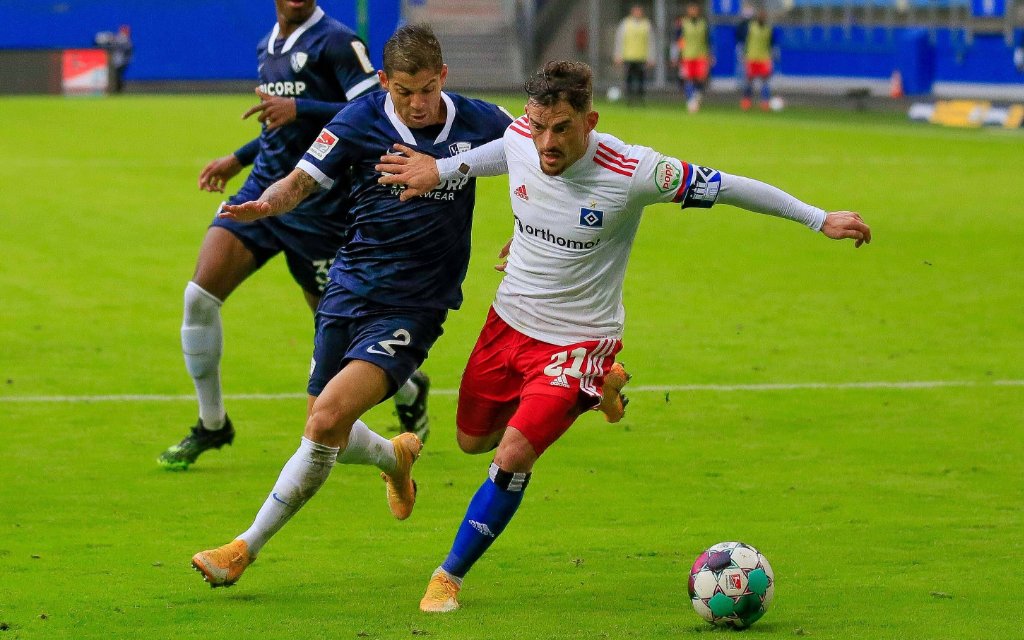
{"points": [[401, 338]]}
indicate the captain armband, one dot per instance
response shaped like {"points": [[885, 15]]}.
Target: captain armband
{"points": [[705, 184]]}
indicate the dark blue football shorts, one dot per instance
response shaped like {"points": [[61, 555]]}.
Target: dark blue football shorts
{"points": [[349, 327], [309, 250]]}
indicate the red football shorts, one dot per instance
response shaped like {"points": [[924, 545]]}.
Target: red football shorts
{"points": [[536, 387], [759, 69], [695, 69]]}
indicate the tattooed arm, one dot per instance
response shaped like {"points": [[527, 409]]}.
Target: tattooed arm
{"points": [[280, 197]]}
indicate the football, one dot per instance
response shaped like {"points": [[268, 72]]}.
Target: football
{"points": [[731, 585]]}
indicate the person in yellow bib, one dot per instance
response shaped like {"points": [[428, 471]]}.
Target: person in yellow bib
{"points": [[634, 48], [758, 45], [695, 55]]}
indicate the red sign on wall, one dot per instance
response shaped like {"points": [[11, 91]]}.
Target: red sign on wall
{"points": [[85, 72]]}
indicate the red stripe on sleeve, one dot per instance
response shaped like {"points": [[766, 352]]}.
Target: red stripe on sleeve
{"points": [[616, 155], [598, 153], [616, 169], [525, 134]]}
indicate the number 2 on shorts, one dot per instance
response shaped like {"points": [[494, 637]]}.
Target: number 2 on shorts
{"points": [[387, 347]]}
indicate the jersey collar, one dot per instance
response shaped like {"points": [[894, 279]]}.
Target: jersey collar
{"points": [[318, 13], [403, 130]]}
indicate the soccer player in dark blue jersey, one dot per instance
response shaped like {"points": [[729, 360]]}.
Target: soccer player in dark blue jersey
{"points": [[310, 66], [391, 285]]}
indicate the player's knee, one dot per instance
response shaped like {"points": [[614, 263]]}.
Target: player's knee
{"points": [[477, 444], [202, 308], [327, 426]]}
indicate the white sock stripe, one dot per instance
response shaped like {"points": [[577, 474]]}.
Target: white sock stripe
{"points": [[657, 388], [516, 480]]}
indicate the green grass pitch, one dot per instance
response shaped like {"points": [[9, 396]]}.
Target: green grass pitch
{"points": [[887, 512]]}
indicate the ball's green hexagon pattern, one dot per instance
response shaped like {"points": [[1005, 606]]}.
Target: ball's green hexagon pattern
{"points": [[747, 606], [752, 618], [721, 605], [757, 581]]}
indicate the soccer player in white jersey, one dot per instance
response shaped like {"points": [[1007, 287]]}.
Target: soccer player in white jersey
{"points": [[550, 338]]}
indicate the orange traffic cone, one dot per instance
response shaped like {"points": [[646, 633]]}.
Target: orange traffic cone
{"points": [[896, 85]]}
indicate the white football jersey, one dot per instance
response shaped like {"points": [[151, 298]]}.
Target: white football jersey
{"points": [[573, 233]]}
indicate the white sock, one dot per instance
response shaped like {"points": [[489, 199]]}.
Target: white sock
{"points": [[457, 580], [300, 478], [406, 394], [367, 447], [201, 342]]}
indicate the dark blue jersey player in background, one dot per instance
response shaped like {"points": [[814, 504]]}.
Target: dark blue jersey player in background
{"points": [[310, 66], [391, 285]]}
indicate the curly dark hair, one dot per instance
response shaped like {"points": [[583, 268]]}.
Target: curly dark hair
{"points": [[412, 49], [560, 80]]}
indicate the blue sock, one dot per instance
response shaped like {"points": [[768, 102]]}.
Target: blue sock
{"points": [[489, 512], [689, 90], [766, 91]]}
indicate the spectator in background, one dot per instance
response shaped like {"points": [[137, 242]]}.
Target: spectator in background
{"points": [[740, 34], [119, 50], [758, 42], [695, 46], [675, 50], [1018, 52], [634, 48], [120, 55]]}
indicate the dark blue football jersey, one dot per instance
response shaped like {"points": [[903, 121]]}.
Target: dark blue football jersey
{"points": [[323, 64], [403, 254]]}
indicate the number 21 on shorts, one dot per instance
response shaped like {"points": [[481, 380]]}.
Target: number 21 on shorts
{"points": [[575, 370]]}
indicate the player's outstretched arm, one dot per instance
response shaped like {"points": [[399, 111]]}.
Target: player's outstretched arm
{"points": [[280, 197], [754, 195], [417, 171], [840, 225], [215, 175], [421, 173]]}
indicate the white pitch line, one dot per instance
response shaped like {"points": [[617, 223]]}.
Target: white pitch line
{"points": [[794, 386]]}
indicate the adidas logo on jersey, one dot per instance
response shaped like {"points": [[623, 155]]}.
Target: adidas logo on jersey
{"points": [[482, 528], [521, 192], [560, 381]]}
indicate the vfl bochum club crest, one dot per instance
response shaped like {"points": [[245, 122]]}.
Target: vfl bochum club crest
{"points": [[298, 61], [591, 218]]}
